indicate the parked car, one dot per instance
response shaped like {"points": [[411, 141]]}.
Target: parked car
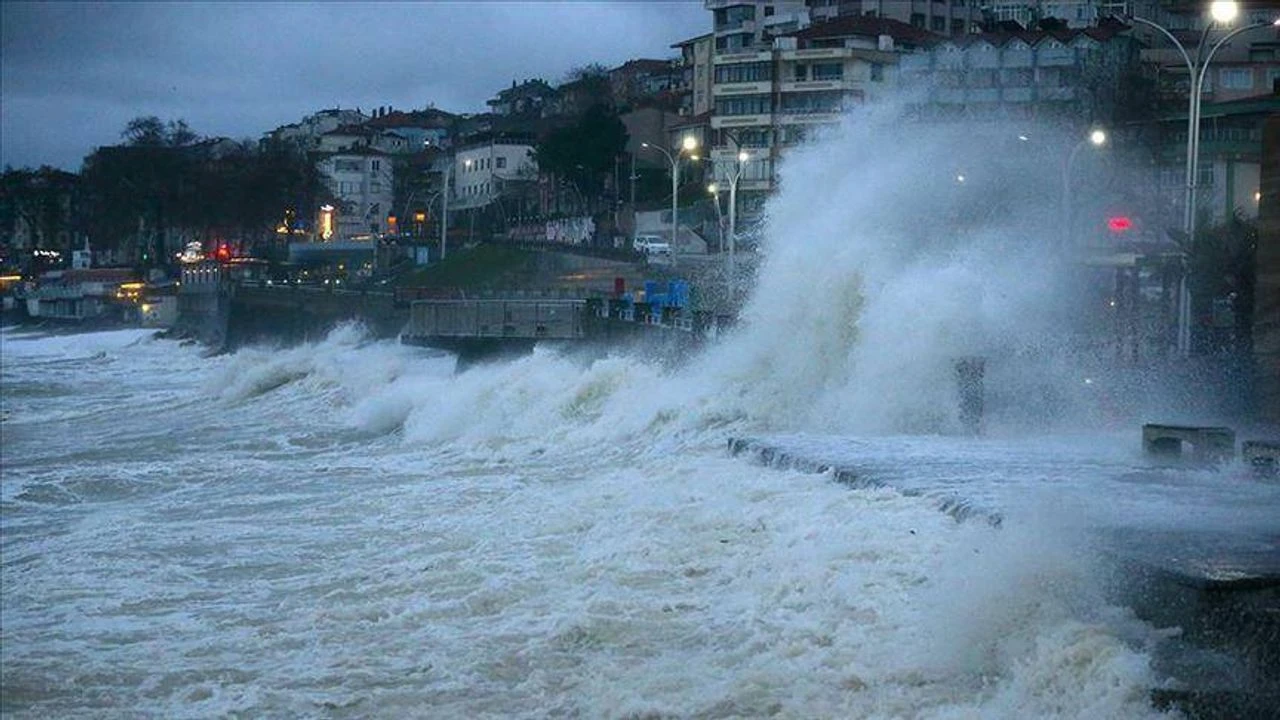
{"points": [[652, 245]]}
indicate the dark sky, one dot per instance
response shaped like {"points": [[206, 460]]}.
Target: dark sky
{"points": [[72, 74]]}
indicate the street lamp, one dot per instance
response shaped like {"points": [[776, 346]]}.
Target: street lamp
{"points": [[1222, 11], [714, 189], [1096, 138], [742, 157], [688, 144]]}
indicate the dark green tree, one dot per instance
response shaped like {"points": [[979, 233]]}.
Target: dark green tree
{"points": [[584, 153]]}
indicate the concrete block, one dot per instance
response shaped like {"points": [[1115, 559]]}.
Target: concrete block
{"points": [[1208, 444]]}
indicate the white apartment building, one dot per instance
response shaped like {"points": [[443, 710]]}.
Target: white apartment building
{"points": [[362, 180], [481, 171]]}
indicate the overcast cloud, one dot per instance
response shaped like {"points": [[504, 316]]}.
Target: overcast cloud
{"points": [[73, 74]]}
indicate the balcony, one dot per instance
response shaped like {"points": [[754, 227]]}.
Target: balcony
{"points": [[813, 118], [816, 54], [1056, 57], [1017, 59], [732, 121], [741, 55], [812, 85], [735, 27], [747, 88]]}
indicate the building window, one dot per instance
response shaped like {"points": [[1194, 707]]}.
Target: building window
{"points": [[877, 72], [957, 26], [812, 102], [375, 165], [733, 17], [1204, 178], [938, 24], [745, 72], [828, 71], [743, 105], [1237, 78], [733, 43], [502, 162], [375, 186], [768, 11], [801, 72], [917, 20]]}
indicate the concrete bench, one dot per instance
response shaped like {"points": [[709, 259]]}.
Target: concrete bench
{"points": [[1262, 456], [1209, 444]]}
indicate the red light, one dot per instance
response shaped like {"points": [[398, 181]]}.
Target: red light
{"points": [[224, 252], [1119, 224]]}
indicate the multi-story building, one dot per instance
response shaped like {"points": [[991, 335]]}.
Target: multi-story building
{"points": [[305, 134], [944, 17], [362, 180], [696, 70], [420, 129], [486, 170], [769, 96], [645, 81], [526, 98], [1071, 77]]}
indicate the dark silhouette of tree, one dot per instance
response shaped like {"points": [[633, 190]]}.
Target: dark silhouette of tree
{"points": [[584, 153]]}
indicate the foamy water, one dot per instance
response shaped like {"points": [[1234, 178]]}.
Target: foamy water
{"points": [[349, 529]]}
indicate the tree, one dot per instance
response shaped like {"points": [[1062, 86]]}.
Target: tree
{"points": [[584, 153], [151, 131]]}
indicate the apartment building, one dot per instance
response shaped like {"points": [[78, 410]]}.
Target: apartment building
{"points": [[483, 170], [771, 96], [944, 17], [361, 178], [1071, 77], [695, 78]]}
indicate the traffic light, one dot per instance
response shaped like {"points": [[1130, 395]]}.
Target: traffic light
{"points": [[1119, 223]]}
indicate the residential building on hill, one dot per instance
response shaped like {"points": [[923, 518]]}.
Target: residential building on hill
{"points": [[362, 180], [527, 98], [769, 96], [486, 170], [1070, 77], [695, 74], [305, 133]]}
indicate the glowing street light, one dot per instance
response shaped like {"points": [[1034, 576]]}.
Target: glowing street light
{"points": [[688, 145], [1222, 12]]}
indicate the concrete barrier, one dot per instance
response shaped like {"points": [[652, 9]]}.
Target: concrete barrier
{"points": [[1209, 444], [1262, 456]]}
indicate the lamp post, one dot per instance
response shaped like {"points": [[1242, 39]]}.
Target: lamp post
{"points": [[1221, 11], [742, 158], [1096, 138], [689, 144], [714, 189], [444, 210]]}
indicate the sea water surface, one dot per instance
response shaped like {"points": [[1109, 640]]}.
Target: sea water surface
{"points": [[349, 528]]}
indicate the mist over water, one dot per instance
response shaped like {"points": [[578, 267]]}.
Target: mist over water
{"points": [[350, 529]]}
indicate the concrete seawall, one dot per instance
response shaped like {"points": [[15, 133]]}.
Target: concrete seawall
{"points": [[298, 314], [1222, 593]]}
